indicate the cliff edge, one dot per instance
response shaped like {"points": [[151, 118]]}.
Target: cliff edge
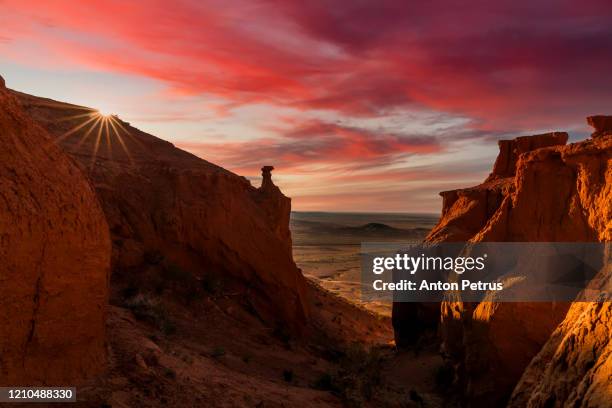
{"points": [[165, 205], [540, 190]]}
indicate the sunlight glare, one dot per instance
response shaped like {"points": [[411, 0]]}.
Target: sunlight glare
{"points": [[106, 127], [104, 113]]}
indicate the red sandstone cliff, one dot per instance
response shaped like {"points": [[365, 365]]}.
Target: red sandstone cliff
{"points": [[574, 368], [54, 259], [540, 190], [164, 203]]}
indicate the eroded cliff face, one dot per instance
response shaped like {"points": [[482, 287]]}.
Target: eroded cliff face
{"points": [[55, 255], [574, 367], [162, 202], [540, 190]]}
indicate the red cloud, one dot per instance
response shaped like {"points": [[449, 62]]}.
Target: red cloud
{"points": [[317, 142], [504, 66], [500, 63]]}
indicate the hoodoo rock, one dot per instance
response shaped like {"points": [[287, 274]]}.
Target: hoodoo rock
{"points": [[266, 178], [55, 254], [164, 203], [540, 190], [276, 206]]}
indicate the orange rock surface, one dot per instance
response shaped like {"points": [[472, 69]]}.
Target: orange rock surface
{"points": [[162, 202], [540, 190], [574, 368], [54, 259]]}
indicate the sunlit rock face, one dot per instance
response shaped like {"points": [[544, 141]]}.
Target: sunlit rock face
{"points": [[574, 367], [540, 190], [161, 201], [55, 254], [510, 150]]}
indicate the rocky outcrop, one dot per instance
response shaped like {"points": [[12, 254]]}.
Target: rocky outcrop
{"points": [[465, 212], [602, 125], [54, 259], [574, 367], [162, 202], [510, 150], [276, 206], [540, 190]]}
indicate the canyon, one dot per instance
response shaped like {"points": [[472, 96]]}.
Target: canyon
{"points": [[147, 276], [151, 277]]}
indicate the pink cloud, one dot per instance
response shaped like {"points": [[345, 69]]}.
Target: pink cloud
{"points": [[502, 63], [505, 67], [304, 144]]}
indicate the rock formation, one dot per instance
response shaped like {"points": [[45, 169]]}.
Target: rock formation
{"points": [[574, 367], [54, 259], [602, 125], [276, 206], [266, 178], [540, 190], [162, 202], [510, 150]]}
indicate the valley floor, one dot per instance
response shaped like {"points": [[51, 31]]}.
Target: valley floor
{"points": [[214, 353]]}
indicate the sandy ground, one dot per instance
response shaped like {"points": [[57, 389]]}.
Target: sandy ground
{"points": [[338, 270]]}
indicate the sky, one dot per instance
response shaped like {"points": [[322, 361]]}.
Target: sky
{"points": [[359, 105]]}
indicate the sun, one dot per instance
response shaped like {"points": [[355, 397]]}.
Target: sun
{"points": [[104, 113], [106, 129]]}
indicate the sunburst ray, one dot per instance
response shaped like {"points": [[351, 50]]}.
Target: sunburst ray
{"points": [[89, 132], [75, 129], [107, 129], [96, 144], [112, 122], [129, 134]]}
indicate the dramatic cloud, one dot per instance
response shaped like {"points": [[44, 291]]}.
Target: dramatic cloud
{"points": [[303, 145], [502, 67], [494, 61]]}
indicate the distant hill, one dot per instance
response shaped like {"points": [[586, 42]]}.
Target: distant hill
{"points": [[371, 229]]}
